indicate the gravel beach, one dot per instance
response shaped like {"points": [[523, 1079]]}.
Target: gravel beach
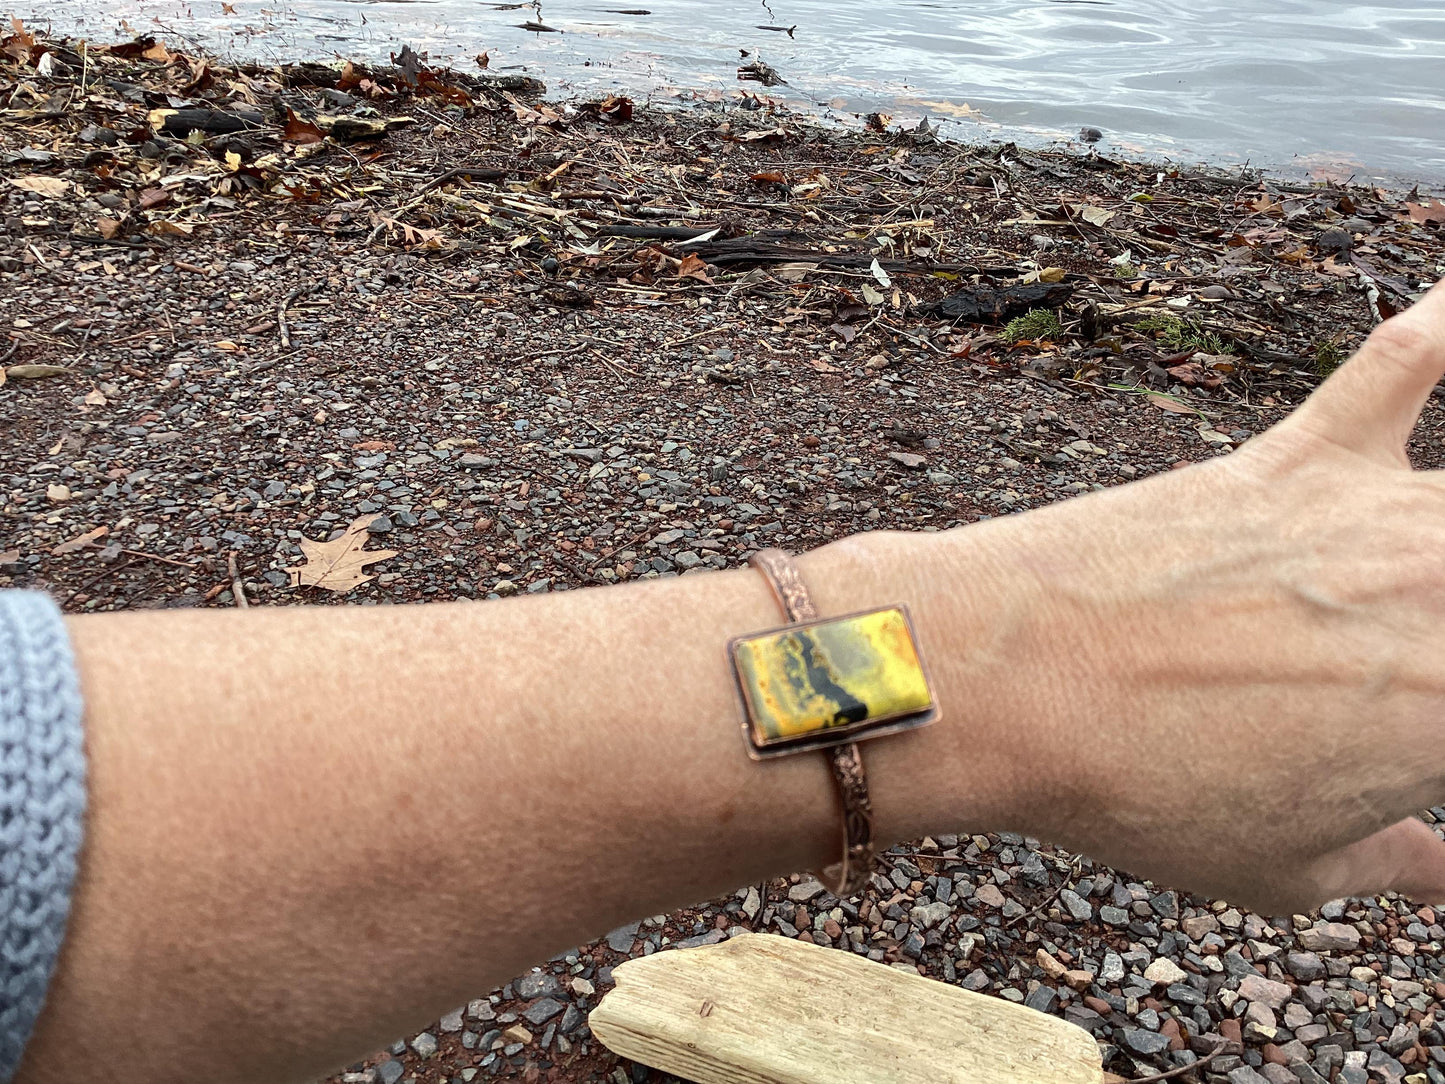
{"points": [[535, 346]]}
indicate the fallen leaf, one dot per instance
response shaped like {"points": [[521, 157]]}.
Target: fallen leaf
{"points": [[80, 542], [301, 131], [1212, 435], [1427, 214], [57, 492], [870, 295], [823, 366], [50, 187], [338, 565], [881, 275], [95, 397], [35, 372], [1163, 402], [1096, 216], [154, 197], [693, 266], [1052, 274], [228, 346], [769, 178], [159, 52], [109, 227]]}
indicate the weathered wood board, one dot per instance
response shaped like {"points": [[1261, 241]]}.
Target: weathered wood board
{"points": [[762, 1009]]}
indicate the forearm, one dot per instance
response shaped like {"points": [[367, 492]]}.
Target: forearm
{"points": [[323, 822]]}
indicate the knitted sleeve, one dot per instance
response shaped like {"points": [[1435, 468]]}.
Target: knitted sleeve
{"points": [[42, 805]]}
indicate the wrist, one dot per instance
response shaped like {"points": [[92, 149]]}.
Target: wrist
{"points": [[977, 767]]}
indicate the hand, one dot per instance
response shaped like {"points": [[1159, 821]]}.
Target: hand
{"points": [[1232, 677]]}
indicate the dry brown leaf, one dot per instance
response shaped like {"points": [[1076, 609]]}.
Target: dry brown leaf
{"points": [[1096, 216], [35, 372], [109, 227], [1432, 213], [301, 131], [338, 565], [693, 266], [51, 187], [823, 366], [81, 542], [1173, 406]]}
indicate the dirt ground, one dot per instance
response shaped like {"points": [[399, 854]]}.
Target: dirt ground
{"points": [[532, 346]]}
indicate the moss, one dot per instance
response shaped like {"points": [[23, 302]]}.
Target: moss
{"points": [[1180, 334], [1328, 357], [1034, 326]]}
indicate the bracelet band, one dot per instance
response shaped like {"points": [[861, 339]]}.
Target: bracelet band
{"points": [[847, 877]]}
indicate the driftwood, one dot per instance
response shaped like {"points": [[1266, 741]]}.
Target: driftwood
{"points": [[761, 1009]]}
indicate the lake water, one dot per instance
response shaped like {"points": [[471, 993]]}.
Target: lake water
{"points": [[1309, 86]]}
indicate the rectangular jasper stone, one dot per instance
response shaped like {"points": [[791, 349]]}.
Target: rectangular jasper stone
{"points": [[830, 681]]}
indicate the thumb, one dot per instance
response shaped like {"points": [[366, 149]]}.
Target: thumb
{"points": [[1372, 403], [1407, 857]]}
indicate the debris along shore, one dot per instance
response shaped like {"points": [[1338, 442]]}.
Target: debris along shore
{"points": [[320, 334]]}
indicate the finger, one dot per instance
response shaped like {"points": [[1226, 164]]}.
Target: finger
{"points": [[1407, 857], [1372, 403]]}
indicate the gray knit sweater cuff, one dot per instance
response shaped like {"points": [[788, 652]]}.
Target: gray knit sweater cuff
{"points": [[42, 807]]}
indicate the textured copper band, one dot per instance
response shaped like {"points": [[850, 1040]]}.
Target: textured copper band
{"points": [[845, 878]]}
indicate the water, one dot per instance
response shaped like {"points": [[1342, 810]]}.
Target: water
{"points": [[1308, 86]]}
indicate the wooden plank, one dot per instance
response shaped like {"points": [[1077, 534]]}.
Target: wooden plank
{"points": [[763, 1009]]}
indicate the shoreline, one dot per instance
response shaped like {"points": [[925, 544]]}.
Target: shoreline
{"points": [[539, 346]]}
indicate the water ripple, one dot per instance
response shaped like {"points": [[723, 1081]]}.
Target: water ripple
{"points": [[1227, 81]]}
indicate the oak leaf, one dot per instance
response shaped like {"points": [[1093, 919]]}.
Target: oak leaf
{"points": [[81, 542], [1427, 213], [51, 187], [338, 565]]}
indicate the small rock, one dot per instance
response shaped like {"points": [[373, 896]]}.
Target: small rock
{"points": [[1305, 966], [1090, 135], [1145, 1042], [1112, 970], [535, 984], [452, 1021], [1113, 916], [1257, 988], [389, 1072], [929, 915], [990, 895], [752, 903], [1197, 926], [1329, 937], [1163, 972], [1334, 241], [620, 939], [1050, 966], [805, 890], [542, 1011], [911, 460], [424, 1044], [1078, 907]]}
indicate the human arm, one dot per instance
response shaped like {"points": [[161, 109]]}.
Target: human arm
{"points": [[314, 828]]}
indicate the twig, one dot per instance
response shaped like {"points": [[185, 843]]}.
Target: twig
{"points": [[1041, 908], [612, 364], [157, 557], [14, 346], [1172, 1073], [285, 332], [238, 590], [112, 570]]}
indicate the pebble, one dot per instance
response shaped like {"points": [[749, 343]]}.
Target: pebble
{"points": [[424, 1044], [1329, 937], [1163, 972]]}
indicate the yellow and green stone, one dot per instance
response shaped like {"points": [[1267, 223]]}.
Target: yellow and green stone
{"points": [[846, 672]]}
